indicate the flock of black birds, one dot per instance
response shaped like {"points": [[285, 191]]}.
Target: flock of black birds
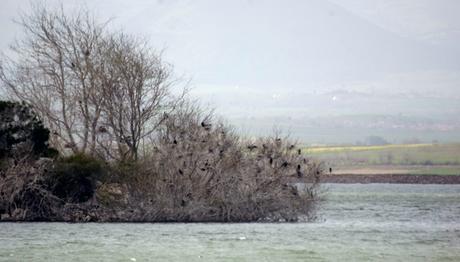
{"points": [[251, 147]]}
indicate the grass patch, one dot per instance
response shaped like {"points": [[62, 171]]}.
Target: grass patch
{"points": [[338, 149], [445, 170], [407, 155]]}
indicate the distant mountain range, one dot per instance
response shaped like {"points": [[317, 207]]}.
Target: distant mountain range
{"points": [[329, 71]]}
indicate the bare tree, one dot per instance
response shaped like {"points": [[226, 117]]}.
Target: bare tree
{"points": [[98, 91], [137, 92]]}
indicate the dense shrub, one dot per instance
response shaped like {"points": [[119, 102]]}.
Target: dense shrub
{"points": [[193, 169], [74, 178], [203, 172]]}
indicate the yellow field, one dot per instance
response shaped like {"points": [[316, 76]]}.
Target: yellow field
{"points": [[404, 158], [361, 148]]}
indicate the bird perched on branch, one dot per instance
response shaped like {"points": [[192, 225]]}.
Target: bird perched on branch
{"points": [[299, 171], [206, 126], [102, 129]]}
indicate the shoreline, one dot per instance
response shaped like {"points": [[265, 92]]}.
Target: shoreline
{"points": [[390, 179]]}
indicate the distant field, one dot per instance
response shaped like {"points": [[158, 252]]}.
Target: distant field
{"points": [[442, 159]]}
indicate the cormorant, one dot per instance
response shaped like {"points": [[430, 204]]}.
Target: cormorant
{"points": [[207, 127], [299, 171]]}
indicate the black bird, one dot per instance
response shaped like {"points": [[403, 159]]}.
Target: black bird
{"points": [[271, 161], [206, 126], [252, 147], [72, 64], [181, 172], [299, 151], [299, 171], [330, 170], [175, 142], [285, 164]]}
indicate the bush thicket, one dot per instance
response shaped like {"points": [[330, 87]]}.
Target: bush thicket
{"points": [[74, 178], [200, 170]]}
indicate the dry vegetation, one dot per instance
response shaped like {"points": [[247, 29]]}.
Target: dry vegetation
{"points": [[131, 150], [198, 171]]}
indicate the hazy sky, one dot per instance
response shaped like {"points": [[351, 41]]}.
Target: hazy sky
{"points": [[252, 58]]}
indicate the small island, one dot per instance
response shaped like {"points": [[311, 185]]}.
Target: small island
{"points": [[96, 130]]}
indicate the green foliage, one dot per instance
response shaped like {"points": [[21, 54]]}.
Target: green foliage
{"points": [[418, 154], [74, 178], [20, 129]]}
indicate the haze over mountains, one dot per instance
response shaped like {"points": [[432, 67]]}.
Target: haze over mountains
{"points": [[350, 67]]}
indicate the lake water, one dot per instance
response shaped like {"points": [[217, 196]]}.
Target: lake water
{"points": [[378, 222]]}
